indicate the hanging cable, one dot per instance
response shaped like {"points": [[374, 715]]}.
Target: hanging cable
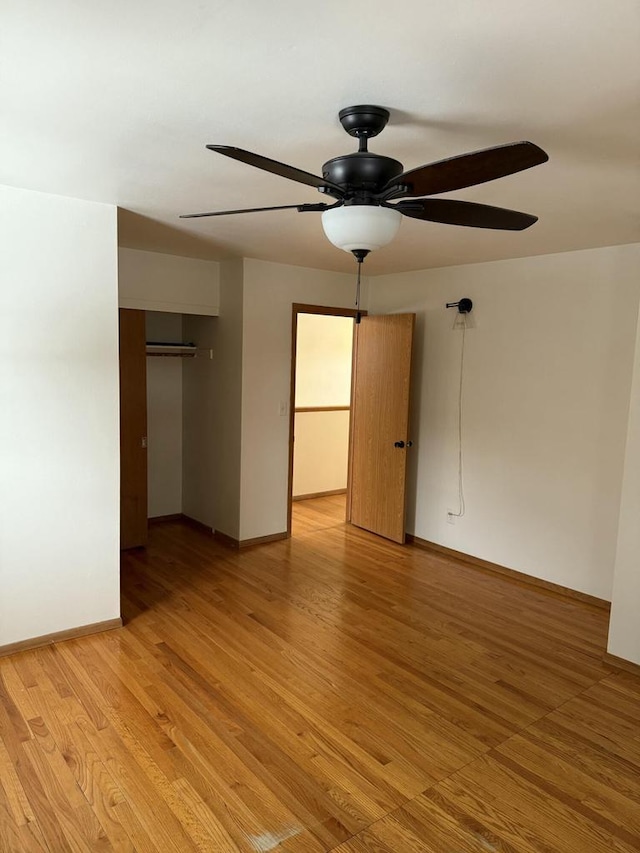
{"points": [[461, 504]]}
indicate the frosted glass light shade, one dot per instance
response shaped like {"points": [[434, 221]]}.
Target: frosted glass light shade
{"points": [[361, 226]]}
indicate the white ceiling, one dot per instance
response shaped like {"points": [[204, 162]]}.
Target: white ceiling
{"points": [[114, 101]]}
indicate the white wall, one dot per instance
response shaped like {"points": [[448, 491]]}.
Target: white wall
{"points": [[164, 419], [59, 430], [199, 404], [269, 291], [151, 281], [546, 396], [624, 626], [323, 360], [227, 412], [320, 452]]}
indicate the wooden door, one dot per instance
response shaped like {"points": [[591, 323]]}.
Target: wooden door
{"points": [[380, 424], [133, 429]]}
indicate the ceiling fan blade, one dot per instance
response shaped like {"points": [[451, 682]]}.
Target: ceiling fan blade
{"points": [[467, 170], [277, 168], [468, 213], [301, 208]]}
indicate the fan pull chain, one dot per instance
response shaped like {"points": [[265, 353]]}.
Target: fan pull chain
{"points": [[358, 315], [359, 255]]}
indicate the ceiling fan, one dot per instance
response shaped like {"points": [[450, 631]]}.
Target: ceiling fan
{"points": [[372, 192]]}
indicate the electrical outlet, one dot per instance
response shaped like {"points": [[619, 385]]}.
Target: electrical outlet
{"points": [[451, 517]]}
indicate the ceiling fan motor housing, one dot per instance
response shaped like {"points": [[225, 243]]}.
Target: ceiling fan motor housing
{"points": [[362, 174], [361, 170]]}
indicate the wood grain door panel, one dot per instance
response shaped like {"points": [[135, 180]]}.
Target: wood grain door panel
{"points": [[380, 418], [133, 429]]}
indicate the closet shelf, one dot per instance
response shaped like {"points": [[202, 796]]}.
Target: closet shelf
{"points": [[172, 350]]}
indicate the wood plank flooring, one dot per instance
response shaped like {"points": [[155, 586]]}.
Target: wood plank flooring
{"points": [[330, 692]]}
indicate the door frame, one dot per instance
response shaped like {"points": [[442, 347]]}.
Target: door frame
{"points": [[329, 311]]}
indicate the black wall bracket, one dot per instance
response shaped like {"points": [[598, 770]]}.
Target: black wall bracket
{"points": [[464, 305]]}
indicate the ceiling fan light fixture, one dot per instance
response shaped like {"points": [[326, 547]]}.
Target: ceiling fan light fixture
{"points": [[360, 226]]}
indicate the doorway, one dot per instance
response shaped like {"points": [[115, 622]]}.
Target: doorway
{"points": [[320, 406], [377, 435]]}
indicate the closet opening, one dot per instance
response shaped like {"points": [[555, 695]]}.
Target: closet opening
{"points": [[180, 407], [167, 414]]}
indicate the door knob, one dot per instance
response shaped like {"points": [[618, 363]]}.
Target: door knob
{"points": [[398, 443]]}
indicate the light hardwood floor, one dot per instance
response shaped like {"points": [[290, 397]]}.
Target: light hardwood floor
{"points": [[330, 692]]}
